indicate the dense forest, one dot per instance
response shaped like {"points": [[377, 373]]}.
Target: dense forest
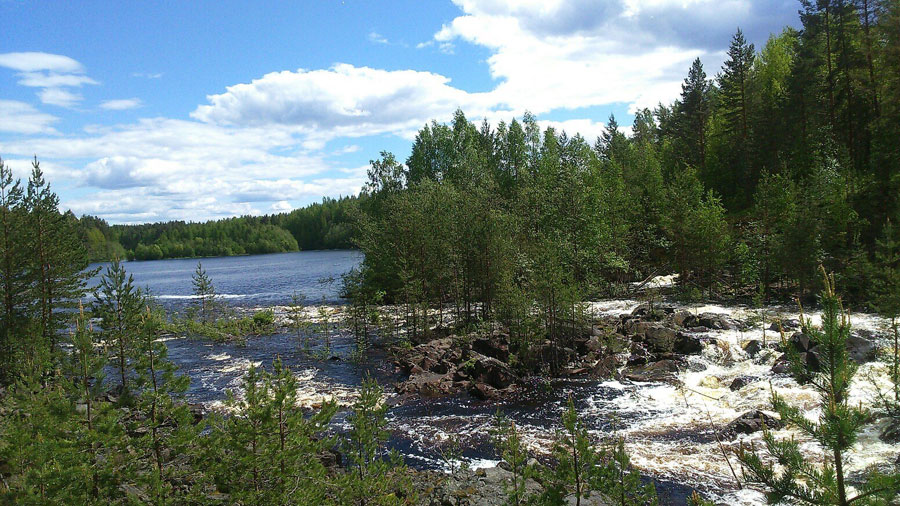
{"points": [[322, 225], [784, 160]]}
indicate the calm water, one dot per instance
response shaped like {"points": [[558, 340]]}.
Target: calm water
{"points": [[255, 280]]}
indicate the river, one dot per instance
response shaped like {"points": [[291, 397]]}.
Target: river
{"points": [[668, 430]]}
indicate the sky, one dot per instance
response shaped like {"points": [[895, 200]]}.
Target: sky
{"points": [[153, 111]]}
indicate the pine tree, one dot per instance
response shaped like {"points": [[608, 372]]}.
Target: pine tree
{"points": [[372, 478], [13, 271], [205, 292], [118, 304], [576, 461], [58, 261], [510, 447], [164, 432], [836, 430], [692, 115]]}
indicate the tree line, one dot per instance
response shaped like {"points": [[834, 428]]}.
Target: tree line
{"points": [[783, 161], [321, 225]]}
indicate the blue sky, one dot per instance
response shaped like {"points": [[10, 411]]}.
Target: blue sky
{"points": [[148, 111]]}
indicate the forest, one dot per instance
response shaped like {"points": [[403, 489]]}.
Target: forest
{"points": [[756, 185], [321, 225]]}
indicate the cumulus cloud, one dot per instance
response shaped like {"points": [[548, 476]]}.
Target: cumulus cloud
{"points": [[342, 101], [154, 169], [121, 104], [21, 118], [552, 54]]}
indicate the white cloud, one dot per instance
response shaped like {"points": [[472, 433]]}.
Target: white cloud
{"points": [[121, 104], [154, 169], [19, 117], [343, 101], [147, 75], [377, 38], [59, 97], [51, 73], [35, 61]]}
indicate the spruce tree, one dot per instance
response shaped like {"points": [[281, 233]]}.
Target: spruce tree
{"points": [[837, 429]]}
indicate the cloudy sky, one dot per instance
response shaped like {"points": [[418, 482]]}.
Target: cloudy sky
{"points": [[148, 111]]}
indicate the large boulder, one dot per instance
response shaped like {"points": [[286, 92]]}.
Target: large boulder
{"points": [[716, 321], [687, 344], [606, 368], [788, 324], [750, 422], [659, 339], [495, 345], [862, 348], [753, 347], [427, 384], [662, 371], [740, 382], [491, 371]]}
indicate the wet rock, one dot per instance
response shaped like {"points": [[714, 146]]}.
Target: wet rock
{"points": [[789, 324], [740, 382], [753, 347], [716, 321], [197, 411], [750, 422], [491, 371], [427, 384], [806, 348], [782, 365], [493, 346], [661, 371], [660, 309], [636, 327], [891, 432], [687, 344], [659, 339], [862, 349], [484, 392], [684, 319], [605, 368]]}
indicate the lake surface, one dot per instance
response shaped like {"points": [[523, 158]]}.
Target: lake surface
{"points": [[247, 281]]}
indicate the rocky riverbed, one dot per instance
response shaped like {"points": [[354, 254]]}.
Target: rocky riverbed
{"points": [[678, 383]]}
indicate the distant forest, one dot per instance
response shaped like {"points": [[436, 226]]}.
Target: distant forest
{"points": [[322, 225]]}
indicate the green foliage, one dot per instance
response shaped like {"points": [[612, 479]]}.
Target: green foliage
{"points": [[118, 304], [268, 451], [373, 478], [205, 292], [836, 430], [510, 448]]}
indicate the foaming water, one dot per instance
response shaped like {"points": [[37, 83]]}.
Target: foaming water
{"points": [[673, 433]]}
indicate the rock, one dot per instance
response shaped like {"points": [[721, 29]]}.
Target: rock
{"points": [[740, 382], [862, 349], [605, 368], [491, 371], [753, 347], [716, 321], [427, 384], [891, 432], [684, 318], [750, 422], [661, 371], [789, 324], [806, 347], [484, 392], [495, 346], [687, 344], [197, 411], [593, 344], [644, 309], [782, 365], [659, 339]]}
